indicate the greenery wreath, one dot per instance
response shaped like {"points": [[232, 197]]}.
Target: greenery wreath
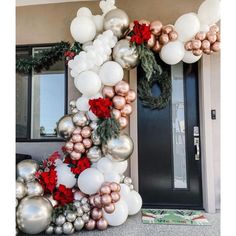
{"points": [[145, 93]]}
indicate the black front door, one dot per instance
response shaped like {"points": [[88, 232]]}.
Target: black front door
{"points": [[168, 144]]}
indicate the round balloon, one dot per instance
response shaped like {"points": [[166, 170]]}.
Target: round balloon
{"points": [[172, 53], [187, 26], [34, 188], [112, 177], [90, 181], [34, 215], [26, 169], [65, 176], [105, 73], [82, 103], [120, 167], [98, 21], [82, 29], [124, 191], [105, 165], [65, 127], [84, 11], [88, 83], [190, 58], [134, 202]]}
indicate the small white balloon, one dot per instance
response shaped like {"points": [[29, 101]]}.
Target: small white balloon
{"points": [[172, 53], [111, 73], [84, 11], [105, 165], [190, 58], [98, 21], [120, 167], [112, 177], [187, 26], [90, 181], [124, 191], [65, 176], [82, 103], [134, 202], [92, 116], [204, 28]]}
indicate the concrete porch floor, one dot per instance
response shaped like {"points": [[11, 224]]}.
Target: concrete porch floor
{"points": [[134, 227]]}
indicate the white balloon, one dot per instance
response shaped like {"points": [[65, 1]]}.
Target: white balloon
{"points": [[112, 177], [88, 83], [65, 176], [119, 216], [98, 95], [94, 165], [92, 116], [134, 203], [87, 45], [82, 103], [172, 52], [90, 180], [209, 12], [82, 29], [120, 167], [98, 21], [124, 191], [204, 28], [111, 73], [84, 11], [104, 165], [190, 58], [187, 26]]}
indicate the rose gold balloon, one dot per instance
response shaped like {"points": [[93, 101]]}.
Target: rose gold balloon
{"points": [[188, 46], [173, 35], [197, 52], [96, 213], [91, 200], [110, 208], [116, 113], [69, 147], [215, 28], [200, 35], [143, 21], [119, 102], [79, 147], [127, 110], [102, 224], [151, 41], [205, 44], [156, 27], [87, 143], [207, 51], [76, 138], [157, 47], [106, 199], [118, 188], [218, 36], [86, 132], [131, 96], [114, 187], [108, 91], [105, 189], [167, 29], [115, 196], [211, 36], [164, 39], [90, 225], [97, 201], [75, 155], [77, 130], [215, 47], [122, 88], [123, 122], [196, 44]]}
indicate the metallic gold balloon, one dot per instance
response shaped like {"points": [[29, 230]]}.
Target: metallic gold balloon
{"points": [[119, 149], [90, 225], [173, 35], [34, 188], [151, 41], [21, 190], [119, 102], [78, 224], [156, 27], [96, 213], [164, 39], [65, 127], [26, 169], [117, 21], [34, 214], [122, 88], [80, 119], [123, 121], [125, 54], [86, 132], [94, 154], [200, 35], [215, 47], [131, 96], [205, 44], [116, 113], [196, 44], [108, 92], [127, 110], [101, 224]]}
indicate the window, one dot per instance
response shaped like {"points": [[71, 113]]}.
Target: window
{"points": [[40, 99]]}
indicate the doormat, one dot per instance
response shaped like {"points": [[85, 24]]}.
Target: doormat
{"points": [[173, 217]]}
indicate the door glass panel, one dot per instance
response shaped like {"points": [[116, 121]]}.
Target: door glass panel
{"points": [[178, 126]]}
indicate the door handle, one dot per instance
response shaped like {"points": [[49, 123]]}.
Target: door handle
{"points": [[197, 149]]}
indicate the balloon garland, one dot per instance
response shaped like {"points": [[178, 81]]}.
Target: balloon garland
{"points": [[85, 188]]}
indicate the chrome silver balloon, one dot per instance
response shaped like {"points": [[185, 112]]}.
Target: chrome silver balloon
{"points": [[94, 154], [67, 228], [34, 214], [20, 179], [74, 110], [125, 54], [34, 188], [17, 231], [78, 224], [84, 200], [58, 230], [49, 230], [80, 119], [131, 187], [86, 207], [117, 21], [60, 220], [93, 125], [20, 190], [71, 216], [119, 149], [72, 104], [51, 200], [77, 203], [127, 180], [65, 127], [85, 218], [95, 138], [17, 202], [26, 169], [80, 212]]}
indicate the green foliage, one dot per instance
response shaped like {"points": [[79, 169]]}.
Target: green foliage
{"points": [[61, 209]]}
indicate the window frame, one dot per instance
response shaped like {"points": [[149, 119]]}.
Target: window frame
{"points": [[29, 48]]}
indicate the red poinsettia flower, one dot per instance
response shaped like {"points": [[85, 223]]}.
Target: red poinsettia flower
{"points": [[63, 195], [48, 180], [101, 107]]}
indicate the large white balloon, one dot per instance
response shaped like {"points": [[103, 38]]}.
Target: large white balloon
{"points": [[65, 176], [187, 26], [172, 53], [98, 21], [82, 29], [112, 177], [190, 58], [209, 12], [90, 180], [124, 191], [120, 167], [88, 83], [111, 73], [84, 11], [82, 103], [119, 216], [104, 165], [134, 202]]}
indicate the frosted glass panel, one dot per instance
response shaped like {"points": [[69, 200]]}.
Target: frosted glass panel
{"points": [[178, 126]]}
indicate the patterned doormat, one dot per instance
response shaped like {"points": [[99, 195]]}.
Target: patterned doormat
{"points": [[173, 217]]}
